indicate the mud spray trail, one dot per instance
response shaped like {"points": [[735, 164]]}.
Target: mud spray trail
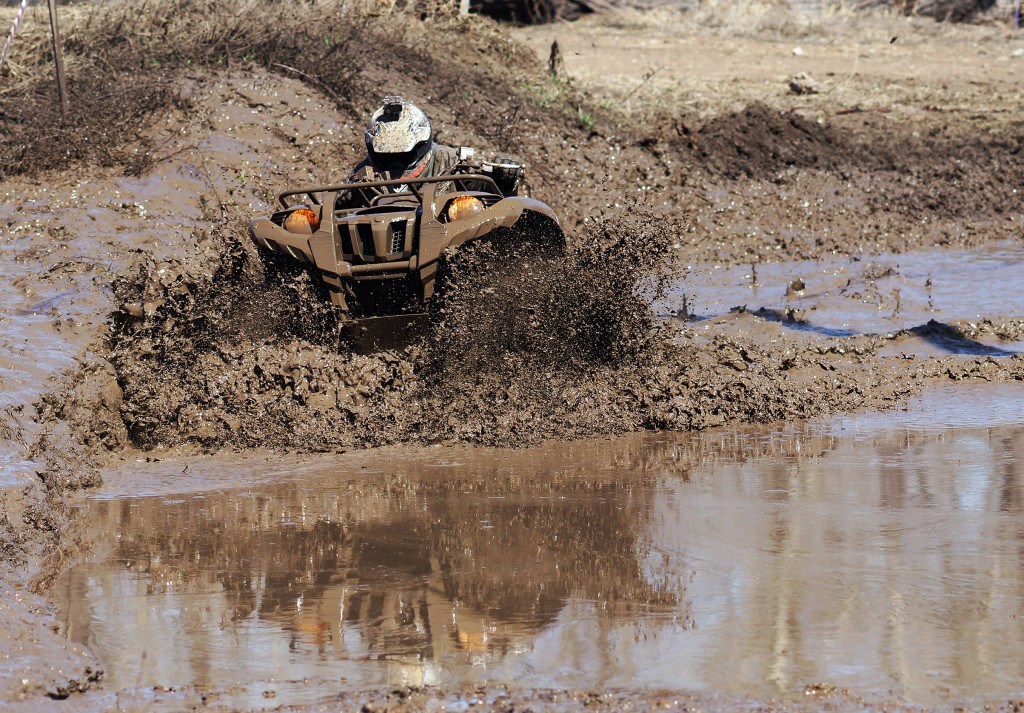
{"points": [[754, 440]]}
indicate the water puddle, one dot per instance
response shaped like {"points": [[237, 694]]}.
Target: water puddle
{"points": [[880, 552], [57, 255], [872, 295]]}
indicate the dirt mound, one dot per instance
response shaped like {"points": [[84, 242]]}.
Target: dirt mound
{"points": [[761, 141], [936, 169], [532, 11], [109, 112], [123, 65]]}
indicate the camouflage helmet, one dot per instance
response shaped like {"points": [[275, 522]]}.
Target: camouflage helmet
{"points": [[398, 135]]}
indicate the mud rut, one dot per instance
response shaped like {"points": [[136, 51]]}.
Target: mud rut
{"points": [[191, 346]]}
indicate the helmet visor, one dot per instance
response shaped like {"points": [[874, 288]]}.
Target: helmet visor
{"points": [[402, 161]]}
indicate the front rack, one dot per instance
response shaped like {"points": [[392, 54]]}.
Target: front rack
{"points": [[311, 192]]}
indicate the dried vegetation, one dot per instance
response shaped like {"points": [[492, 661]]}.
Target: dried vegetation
{"points": [[122, 65]]}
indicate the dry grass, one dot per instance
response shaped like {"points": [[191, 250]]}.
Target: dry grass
{"points": [[122, 64], [799, 18]]}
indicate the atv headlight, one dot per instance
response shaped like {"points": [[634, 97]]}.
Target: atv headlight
{"points": [[464, 207], [302, 221]]}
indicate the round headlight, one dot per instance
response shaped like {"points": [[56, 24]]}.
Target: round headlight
{"points": [[302, 221], [464, 207]]}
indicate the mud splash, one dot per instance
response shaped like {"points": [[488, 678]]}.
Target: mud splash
{"points": [[214, 351], [248, 357]]}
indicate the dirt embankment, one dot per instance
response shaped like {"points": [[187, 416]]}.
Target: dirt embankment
{"points": [[137, 271], [215, 356]]}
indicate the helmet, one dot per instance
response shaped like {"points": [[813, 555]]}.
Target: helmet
{"points": [[398, 136]]}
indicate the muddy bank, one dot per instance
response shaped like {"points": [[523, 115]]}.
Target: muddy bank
{"points": [[136, 317]]}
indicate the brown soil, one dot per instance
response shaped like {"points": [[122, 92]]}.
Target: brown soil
{"points": [[711, 159], [417, 700]]}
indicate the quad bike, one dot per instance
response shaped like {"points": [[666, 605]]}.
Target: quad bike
{"points": [[378, 247]]}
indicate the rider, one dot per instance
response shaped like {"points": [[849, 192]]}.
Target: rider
{"points": [[400, 144]]}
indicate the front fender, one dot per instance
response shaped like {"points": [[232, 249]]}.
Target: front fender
{"points": [[316, 249], [506, 213]]}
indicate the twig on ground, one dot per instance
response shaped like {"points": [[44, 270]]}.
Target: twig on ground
{"points": [[639, 86], [307, 76]]}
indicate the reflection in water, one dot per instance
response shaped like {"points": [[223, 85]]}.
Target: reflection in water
{"points": [[892, 564], [752, 562], [431, 565]]}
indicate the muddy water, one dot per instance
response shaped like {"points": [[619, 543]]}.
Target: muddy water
{"points": [[33, 343], [878, 552], [869, 295], [58, 253]]}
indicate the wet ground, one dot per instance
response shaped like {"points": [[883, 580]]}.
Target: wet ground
{"points": [[878, 553], [790, 479], [868, 295]]}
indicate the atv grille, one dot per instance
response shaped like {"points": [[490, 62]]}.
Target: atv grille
{"points": [[366, 239], [398, 236], [346, 242]]}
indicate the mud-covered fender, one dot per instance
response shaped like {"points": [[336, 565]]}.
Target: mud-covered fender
{"points": [[275, 239], [318, 249], [435, 236]]}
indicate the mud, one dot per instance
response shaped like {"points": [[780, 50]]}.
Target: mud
{"points": [[559, 348], [881, 215]]}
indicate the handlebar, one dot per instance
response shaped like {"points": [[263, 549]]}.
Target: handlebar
{"points": [[311, 191]]}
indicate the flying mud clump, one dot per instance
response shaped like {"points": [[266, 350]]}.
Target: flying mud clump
{"points": [[216, 351]]}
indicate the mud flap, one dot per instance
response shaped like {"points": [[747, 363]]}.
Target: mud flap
{"points": [[379, 334]]}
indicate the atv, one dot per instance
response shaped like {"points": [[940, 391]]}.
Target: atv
{"points": [[378, 247]]}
